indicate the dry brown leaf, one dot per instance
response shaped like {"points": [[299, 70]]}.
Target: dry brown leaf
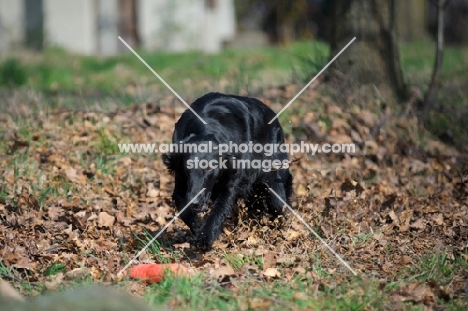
{"points": [[419, 224], [55, 281], [152, 192], [78, 273], [438, 219], [259, 304], [185, 245], [105, 220], [292, 235], [73, 175], [271, 273], [222, 271], [415, 292], [25, 263], [406, 259], [301, 190], [405, 218]]}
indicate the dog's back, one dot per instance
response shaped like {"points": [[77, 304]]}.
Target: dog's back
{"points": [[236, 118]]}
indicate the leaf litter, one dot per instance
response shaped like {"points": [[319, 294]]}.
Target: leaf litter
{"points": [[68, 196]]}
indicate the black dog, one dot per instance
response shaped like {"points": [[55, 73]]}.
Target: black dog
{"points": [[230, 120]]}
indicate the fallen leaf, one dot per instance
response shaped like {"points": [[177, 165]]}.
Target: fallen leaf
{"points": [[25, 263], [105, 220], [72, 175], [292, 235], [57, 279], [185, 245], [78, 273], [418, 224], [271, 273], [259, 304], [152, 192], [222, 271]]}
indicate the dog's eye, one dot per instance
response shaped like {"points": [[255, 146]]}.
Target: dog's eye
{"points": [[208, 169]]}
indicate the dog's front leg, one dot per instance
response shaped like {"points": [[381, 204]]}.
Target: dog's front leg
{"points": [[189, 216], [223, 203]]}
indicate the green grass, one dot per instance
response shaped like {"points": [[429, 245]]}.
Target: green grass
{"points": [[354, 293], [417, 61], [7, 273], [439, 267], [203, 293], [55, 268], [193, 293], [238, 261], [12, 73], [57, 72], [44, 194], [159, 254]]}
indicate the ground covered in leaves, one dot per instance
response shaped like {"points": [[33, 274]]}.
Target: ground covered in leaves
{"points": [[72, 206]]}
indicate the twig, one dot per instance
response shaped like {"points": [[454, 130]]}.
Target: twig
{"points": [[435, 79]]}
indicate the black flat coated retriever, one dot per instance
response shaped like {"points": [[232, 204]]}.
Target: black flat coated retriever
{"points": [[227, 174]]}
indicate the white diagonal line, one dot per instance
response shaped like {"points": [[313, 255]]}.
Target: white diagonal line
{"points": [[311, 81], [315, 233], [159, 233], [162, 80]]}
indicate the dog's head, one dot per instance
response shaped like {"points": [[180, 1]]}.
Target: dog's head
{"points": [[201, 165]]}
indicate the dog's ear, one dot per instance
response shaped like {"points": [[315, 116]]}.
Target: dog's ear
{"points": [[229, 157], [168, 160]]}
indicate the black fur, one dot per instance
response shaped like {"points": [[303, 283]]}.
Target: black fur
{"points": [[229, 118]]}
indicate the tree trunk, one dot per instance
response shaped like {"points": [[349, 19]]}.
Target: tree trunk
{"points": [[411, 20], [435, 79], [373, 58]]}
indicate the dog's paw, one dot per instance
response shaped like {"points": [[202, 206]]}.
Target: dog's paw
{"points": [[203, 242]]}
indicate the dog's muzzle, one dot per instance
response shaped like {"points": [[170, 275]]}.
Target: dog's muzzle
{"points": [[200, 208]]}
